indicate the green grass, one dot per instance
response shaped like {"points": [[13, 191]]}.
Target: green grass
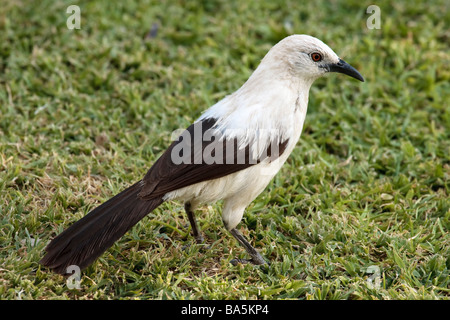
{"points": [[84, 113]]}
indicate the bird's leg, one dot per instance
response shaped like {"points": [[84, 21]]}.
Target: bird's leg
{"points": [[195, 230], [256, 259]]}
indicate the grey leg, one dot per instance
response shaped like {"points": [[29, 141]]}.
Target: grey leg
{"points": [[256, 258], [195, 229]]}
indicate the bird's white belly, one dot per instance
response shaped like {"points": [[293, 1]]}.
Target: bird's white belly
{"points": [[248, 183]]}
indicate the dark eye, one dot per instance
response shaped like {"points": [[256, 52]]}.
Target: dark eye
{"points": [[316, 56]]}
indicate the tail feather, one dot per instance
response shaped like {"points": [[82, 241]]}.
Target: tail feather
{"points": [[89, 237]]}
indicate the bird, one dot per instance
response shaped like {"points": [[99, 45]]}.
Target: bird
{"points": [[230, 153]]}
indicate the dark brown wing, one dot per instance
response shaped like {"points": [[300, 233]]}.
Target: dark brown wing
{"points": [[194, 158]]}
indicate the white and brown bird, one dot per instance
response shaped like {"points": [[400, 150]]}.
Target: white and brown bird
{"points": [[230, 153]]}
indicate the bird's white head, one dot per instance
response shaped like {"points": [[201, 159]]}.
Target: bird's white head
{"points": [[306, 57]]}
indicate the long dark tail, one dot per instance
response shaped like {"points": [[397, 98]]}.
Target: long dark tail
{"points": [[89, 237]]}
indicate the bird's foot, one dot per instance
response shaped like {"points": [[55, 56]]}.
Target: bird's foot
{"points": [[257, 261]]}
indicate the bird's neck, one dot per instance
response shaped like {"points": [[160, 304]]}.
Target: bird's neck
{"points": [[277, 75], [266, 84]]}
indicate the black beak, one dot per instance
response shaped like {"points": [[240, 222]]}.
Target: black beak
{"points": [[345, 68]]}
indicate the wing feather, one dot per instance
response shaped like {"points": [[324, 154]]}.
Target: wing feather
{"points": [[224, 157]]}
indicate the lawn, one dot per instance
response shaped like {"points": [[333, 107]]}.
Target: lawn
{"points": [[360, 210]]}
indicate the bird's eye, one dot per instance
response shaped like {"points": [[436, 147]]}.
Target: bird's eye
{"points": [[316, 57]]}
